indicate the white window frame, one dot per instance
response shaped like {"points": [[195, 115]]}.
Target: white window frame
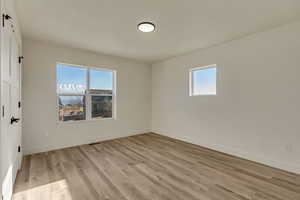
{"points": [[87, 95], [191, 80]]}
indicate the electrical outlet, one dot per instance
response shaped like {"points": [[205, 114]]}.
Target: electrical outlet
{"points": [[46, 134]]}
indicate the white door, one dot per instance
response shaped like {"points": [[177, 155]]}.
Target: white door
{"points": [[10, 116]]}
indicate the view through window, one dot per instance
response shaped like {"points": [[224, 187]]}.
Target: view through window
{"points": [[84, 93], [203, 81]]}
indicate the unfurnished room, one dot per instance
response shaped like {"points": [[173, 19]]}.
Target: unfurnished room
{"points": [[150, 100]]}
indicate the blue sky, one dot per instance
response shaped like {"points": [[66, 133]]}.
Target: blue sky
{"points": [[75, 76], [101, 80], [205, 81]]}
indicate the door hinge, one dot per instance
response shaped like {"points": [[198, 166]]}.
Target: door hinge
{"points": [[19, 104], [20, 59], [5, 17], [2, 111], [19, 149]]}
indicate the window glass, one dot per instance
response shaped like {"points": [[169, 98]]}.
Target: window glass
{"points": [[101, 106], [84, 93], [101, 80], [204, 81], [71, 80], [71, 108]]}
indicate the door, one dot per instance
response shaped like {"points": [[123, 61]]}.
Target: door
{"points": [[10, 118]]}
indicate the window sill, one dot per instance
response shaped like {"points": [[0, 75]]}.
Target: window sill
{"points": [[197, 95], [83, 121]]}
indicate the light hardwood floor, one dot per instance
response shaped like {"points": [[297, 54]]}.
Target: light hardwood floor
{"points": [[149, 167]]}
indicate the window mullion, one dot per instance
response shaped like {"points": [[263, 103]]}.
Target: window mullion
{"points": [[107, 95], [88, 99], [69, 94], [114, 96]]}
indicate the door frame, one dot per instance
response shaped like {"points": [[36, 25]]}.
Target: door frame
{"points": [[20, 153], [17, 38]]}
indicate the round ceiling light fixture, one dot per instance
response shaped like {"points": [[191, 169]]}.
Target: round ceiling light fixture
{"points": [[146, 27]]}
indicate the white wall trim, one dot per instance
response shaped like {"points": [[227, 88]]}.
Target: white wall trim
{"points": [[51, 147], [242, 153]]}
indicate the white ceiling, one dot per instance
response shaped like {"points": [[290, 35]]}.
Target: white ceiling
{"points": [[109, 26]]}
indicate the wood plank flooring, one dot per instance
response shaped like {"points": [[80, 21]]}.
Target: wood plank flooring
{"points": [[149, 167]]}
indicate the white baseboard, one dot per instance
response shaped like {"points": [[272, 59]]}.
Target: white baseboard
{"points": [[242, 153], [51, 147]]}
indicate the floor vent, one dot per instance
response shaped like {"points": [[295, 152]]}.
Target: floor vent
{"points": [[94, 143]]}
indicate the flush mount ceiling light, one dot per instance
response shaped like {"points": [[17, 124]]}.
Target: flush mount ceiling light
{"points": [[146, 27]]}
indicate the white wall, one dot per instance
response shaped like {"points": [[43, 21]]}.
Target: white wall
{"points": [[41, 132], [256, 114]]}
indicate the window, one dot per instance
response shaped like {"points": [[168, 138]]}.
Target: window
{"points": [[203, 80], [85, 93]]}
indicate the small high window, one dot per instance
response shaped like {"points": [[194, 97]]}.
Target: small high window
{"points": [[203, 80], [85, 93]]}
